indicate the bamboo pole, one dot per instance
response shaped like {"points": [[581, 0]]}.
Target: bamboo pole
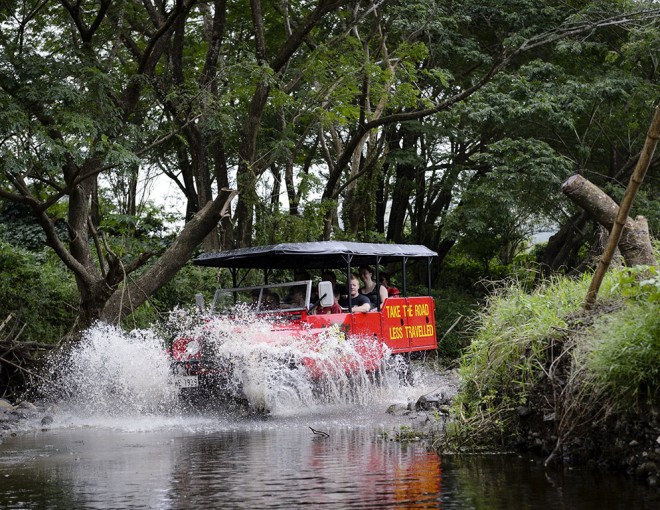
{"points": [[635, 182]]}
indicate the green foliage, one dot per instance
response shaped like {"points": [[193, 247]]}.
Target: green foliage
{"points": [[564, 110], [406, 434], [280, 227], [147, 231], [38, 291], [454, 306], [511, 344], [623, 354], [179, 292], [622, 350], [616, 352], [641, 283], [468, 266], [483, 172], [21, 229], [459, 291], [462, 272]]}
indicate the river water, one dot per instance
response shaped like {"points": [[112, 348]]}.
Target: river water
{"points": [[128, 447], [216, 462]]}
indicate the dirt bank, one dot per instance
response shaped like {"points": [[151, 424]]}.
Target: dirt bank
{"points": [[627, 443], [567, 420]]}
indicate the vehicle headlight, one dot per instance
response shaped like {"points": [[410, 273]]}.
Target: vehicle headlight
{"points": [[193, 348]]}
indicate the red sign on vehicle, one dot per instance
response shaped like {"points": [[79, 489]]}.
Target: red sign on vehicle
{"points": [[409, 324]]}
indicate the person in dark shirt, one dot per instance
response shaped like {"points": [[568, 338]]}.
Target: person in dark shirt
{"points": [[359, 302], [374, 291]]}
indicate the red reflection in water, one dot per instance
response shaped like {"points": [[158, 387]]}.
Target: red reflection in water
{"points": [[419, 481], [387, 474]]}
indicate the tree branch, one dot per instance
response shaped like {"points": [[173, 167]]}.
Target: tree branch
{"points": [[174, 257]]}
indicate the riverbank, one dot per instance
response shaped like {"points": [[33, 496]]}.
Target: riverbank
{"points": [[578, 387], [627, 443], [23, 415], [427, 414]]}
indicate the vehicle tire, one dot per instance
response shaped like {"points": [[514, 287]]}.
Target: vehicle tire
{"points": [[378, 377]]}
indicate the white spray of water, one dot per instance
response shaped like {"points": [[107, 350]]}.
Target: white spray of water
{"points": [[112, 372], [281, 371], [116, 373]]}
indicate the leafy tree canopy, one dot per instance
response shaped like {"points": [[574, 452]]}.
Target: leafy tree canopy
{"points": [[441, 123]]}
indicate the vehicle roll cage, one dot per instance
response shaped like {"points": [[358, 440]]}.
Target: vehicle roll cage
{"points": [[321, 255], [259, 304]]}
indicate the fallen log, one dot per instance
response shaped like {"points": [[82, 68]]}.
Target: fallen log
{"points": [[635, 243]]}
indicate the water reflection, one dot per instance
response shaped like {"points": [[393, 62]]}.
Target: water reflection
{"points": [[285, 468], [271, 467], [509, 481], [282, 464]]}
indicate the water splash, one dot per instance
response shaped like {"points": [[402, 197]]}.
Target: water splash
{"points": [[279, 370], [111, 372]]}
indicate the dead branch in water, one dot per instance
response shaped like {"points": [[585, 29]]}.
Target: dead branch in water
{"points": [[20, 362]]}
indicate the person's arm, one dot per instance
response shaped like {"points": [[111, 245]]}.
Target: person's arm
{"points": [[361, 303], [382, 292], [362, 308]]}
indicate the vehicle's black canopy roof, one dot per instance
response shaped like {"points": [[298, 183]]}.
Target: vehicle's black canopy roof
{"points": [[314, 255]]}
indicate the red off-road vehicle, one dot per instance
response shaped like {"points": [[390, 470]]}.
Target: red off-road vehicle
{"points": [[289, 332]]}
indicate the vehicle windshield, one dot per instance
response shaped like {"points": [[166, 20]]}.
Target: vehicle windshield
{"points": [[278, 297]]}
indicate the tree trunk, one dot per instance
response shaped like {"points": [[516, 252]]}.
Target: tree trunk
{"points": [[125, 299], [635, 243], [563, 246]]}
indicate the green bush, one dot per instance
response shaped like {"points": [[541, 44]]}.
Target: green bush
{"points": [[453, 307], [38, 291], [622, 350], [512, 339], [624, 354]]}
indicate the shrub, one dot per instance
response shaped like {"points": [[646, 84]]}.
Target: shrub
{"points": [[453, 307], [513, 339], [622, 350], [39, 292]]}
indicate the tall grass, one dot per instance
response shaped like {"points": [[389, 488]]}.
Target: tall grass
{"points": [[513, 335], [541, 343], [621, 351]]}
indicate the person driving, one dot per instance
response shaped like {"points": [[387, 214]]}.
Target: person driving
{"points": [[295, 297]]}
